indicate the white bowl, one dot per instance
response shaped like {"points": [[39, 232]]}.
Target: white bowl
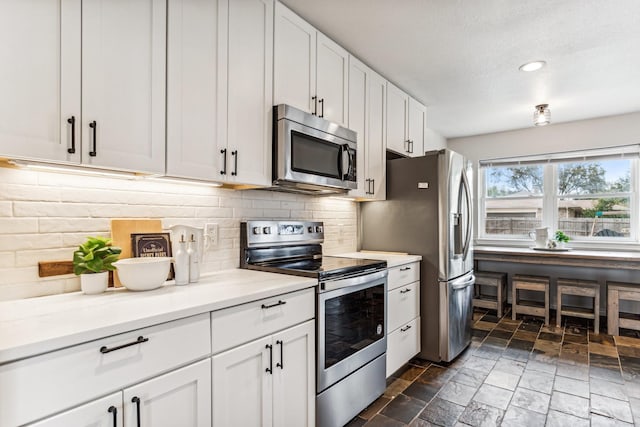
{"points": [[143, 274]]}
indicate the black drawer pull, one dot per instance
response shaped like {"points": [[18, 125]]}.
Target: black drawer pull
{"points": [[270, 368], [234, 154], [114, 411], [405, 329], [280, 302], [72, 121], [405, 268], [321, 107], [136, 400], [224, 158], [315, 105], [104, 349], [404, 291]]}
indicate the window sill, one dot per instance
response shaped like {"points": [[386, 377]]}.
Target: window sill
{"points": [[604, 244]]}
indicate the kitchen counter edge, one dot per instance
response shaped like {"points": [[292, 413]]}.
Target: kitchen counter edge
{"points": [[40, 325]]}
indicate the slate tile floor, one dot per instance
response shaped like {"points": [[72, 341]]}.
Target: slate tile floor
{"points": [[519, 373]]}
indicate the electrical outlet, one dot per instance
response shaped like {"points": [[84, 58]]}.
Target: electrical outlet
{"points": [[211, 234]]}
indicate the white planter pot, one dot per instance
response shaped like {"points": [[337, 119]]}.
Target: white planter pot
{"points": [[95, 283]]}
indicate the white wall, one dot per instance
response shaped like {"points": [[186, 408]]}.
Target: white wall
{"points": [[45, 216], [595, 133]]}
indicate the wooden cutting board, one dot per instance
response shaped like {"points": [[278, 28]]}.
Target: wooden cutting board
{"points": [[121, 230]]}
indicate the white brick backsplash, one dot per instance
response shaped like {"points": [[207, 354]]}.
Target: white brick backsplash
{"points": [[6, 209], [7, 259], [30, 258], [54, 225], [18, 225], [45, 216], [18, 242]]}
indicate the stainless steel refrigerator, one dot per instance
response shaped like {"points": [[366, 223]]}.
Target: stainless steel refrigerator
{"points": [[428, 212]]}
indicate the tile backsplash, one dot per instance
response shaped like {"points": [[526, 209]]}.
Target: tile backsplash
{"points": [[45, 216]]}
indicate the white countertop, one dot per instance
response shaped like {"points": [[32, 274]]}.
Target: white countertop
{"points": [[39, 325], [393, 259]]}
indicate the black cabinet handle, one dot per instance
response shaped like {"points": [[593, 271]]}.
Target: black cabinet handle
{"points": [[94, 126], [234, 154], [280, 302], [224, 164], [72, 121], [104, 349], [405, 329], [114, 411], [405, 268], [411, 145], [373, 186], [368, 181], [281, 364], [315, 105], [321, 107], [404, 291], [136, 400], [270, 368]]}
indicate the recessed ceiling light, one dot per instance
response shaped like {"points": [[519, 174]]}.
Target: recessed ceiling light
{"points": [[532, 66]]}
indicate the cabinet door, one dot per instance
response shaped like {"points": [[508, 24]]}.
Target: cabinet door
{"points": [[397, 106], [123, 84], [294, 397], [331, 80], [179, 398], [376, 136], [402, 345], [358, 91], [247, 68], [416, 126], [242, 386], [39, 79], [192, 80], [104, 412], [294, 59]]}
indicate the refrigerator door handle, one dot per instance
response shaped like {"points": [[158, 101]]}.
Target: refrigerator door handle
{"points": [[471, 280], [467, 237]]}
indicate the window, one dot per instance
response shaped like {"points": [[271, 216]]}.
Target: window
{"points": [[590, 195]]}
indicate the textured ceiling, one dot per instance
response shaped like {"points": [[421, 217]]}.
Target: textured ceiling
{"points": [[461, 57]]}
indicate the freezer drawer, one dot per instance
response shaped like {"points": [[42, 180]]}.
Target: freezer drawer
{"points": [[456, 314]]}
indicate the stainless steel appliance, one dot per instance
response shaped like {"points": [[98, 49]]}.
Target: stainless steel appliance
{"points": [[351, 313], [310, 154], [428, 212]]}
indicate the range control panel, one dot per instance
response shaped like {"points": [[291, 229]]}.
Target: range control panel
{"points": [[274, 233]]}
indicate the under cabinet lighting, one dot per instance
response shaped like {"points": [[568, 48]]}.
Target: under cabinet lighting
{"points": [[183, 181], [77, 170]]}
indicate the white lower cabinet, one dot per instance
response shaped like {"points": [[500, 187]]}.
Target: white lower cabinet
{"points": [[403, 315], [104, 412], [267, 382]]}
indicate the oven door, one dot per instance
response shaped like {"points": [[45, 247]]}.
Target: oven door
{"points": [[310, 156], [352, 320]]}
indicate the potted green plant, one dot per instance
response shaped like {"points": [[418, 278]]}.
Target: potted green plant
{"points": [[92, 261], [561, 238]]}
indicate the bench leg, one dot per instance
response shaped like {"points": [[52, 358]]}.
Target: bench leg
{"points": [[514, 302], [559, 309], [613, 313], [499, 300], [546, 306], [596, 312]]}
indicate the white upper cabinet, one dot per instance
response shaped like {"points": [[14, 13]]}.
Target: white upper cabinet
{"points": [[366, 117], [332, 71], [406, 122], [245, 103], [192, 89], [310, 70], [397, 111], [123, 84], [294, 64], [416, 127], [40, 79]]}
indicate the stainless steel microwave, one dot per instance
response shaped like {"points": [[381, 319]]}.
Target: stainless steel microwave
{"points": [[310, 154]]}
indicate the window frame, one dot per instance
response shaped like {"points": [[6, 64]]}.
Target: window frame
{"points": [[550, 205]]}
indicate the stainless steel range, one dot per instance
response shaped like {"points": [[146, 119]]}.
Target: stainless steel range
{"points": [[351, 312]]}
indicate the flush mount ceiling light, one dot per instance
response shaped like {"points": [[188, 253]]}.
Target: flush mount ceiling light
{"points": [[542, 115], [532, 66]]}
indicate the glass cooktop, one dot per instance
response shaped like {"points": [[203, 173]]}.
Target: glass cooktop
{"points": [[323, 268]]}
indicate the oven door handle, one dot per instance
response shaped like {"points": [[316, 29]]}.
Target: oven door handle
{"points": [[330, 285]]}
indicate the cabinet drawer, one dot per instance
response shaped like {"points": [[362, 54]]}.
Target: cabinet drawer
{"points": [[402, 345], [243, 323], [403, 275], [403, 305], [45, 384]]}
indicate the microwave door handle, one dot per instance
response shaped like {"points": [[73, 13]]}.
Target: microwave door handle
{"points": [[345, 161]]}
